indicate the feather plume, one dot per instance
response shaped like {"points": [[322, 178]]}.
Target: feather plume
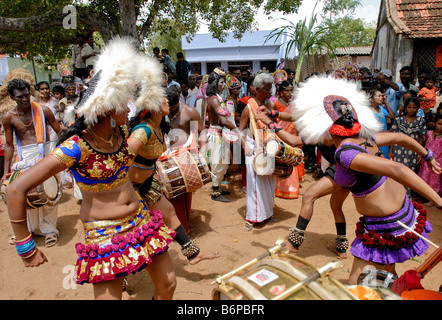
{"points": [[115, 67], [312, 121], [149, 81]]}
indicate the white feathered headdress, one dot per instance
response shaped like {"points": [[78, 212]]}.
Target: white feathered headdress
{"points": [[314, 116], [113, 83], [150, 84]]}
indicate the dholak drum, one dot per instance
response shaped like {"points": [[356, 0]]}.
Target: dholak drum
{"points": [[183, 172], [48, 193], [265, 165], [230, 136], [284, 153], [281, 277]]}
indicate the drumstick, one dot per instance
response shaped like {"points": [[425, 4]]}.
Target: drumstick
{"points": [[279, 244], [420, 236]]}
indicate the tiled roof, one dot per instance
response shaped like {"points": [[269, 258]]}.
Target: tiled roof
{"points": [[416, 18], [353, 51]]}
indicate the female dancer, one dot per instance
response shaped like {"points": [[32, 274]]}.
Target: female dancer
{"points": [[335, 109], [148, 139], [121, 235]]}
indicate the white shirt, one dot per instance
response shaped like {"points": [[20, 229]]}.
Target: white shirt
{"points": [[189, 100], [87, 50]]}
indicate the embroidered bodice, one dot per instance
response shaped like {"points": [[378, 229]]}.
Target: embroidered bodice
{"points": [[154, 145], [94, 170]]}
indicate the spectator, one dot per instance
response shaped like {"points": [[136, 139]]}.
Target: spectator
{"points": [[186, 97], [168, 63], [77, 60], [183, 68], [427, 94], [157, 55], [170, 77], [393, 90], [193, 88], [89, 53], [407, 78]]}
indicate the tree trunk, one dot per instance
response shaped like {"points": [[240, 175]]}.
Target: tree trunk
{"points": [[128, 18]]}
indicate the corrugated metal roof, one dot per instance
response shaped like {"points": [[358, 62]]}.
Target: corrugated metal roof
{"points": [[353, 51]]}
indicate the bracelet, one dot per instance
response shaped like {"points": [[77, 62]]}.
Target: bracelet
{"points": [[274, 114], [429, 156], [25, 249], [23, 240], [17, 221]]}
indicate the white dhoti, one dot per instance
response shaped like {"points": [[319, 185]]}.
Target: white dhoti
{"points": [[43, 220], [260, 193], [217, 158]]}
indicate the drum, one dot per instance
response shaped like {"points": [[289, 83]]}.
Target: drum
{"points": [[183, 172], [284, 153], [280, 277], [375, 278], [230, 136], [265, 165], [48, 193]]}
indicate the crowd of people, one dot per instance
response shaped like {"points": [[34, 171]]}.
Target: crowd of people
{"points": [[117, 113]]}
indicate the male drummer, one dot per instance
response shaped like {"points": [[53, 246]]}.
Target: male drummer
{"points": [[185, 126], [218, 113], [21, 121], [260, 190]]}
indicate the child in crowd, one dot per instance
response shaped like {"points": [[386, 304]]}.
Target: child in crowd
{"points": [[408, 94], [58, 93], [414, 127], [381, 110], [427, 95], [434, 143]]}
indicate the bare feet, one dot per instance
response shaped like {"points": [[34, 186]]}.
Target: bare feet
{"points": [[332, 248], [291, 248], [204, 256]]}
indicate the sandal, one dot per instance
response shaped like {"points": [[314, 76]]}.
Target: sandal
{"points": [[248, 226], [51, 240]]}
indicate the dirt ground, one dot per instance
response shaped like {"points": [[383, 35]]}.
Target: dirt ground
{"points": [[216, 226]]}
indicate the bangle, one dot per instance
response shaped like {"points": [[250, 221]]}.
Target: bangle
{"points": [[25, 249], [23, 240], [17, 221], [274, 114], [429, 156]]}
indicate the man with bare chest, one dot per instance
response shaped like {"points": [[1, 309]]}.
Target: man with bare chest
{"points": [[185, 126], [32, 141], [219, 156]]}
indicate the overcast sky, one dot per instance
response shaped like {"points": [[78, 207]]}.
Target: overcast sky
{"points": [[368, 11]]}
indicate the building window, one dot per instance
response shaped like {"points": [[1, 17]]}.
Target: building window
{"points": [[196, 68], [212, 65], [269, 65], [244, 65]]}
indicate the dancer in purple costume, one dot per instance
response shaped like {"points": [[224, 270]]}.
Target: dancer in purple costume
{"points": [[341, 112]]}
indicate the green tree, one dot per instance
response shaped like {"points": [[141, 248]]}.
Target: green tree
{"points": [[36, 27], [349, 32], [337, 17], [306, 36]]}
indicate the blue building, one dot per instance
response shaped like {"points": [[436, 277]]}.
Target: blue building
{"points": [[250, 52]]}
